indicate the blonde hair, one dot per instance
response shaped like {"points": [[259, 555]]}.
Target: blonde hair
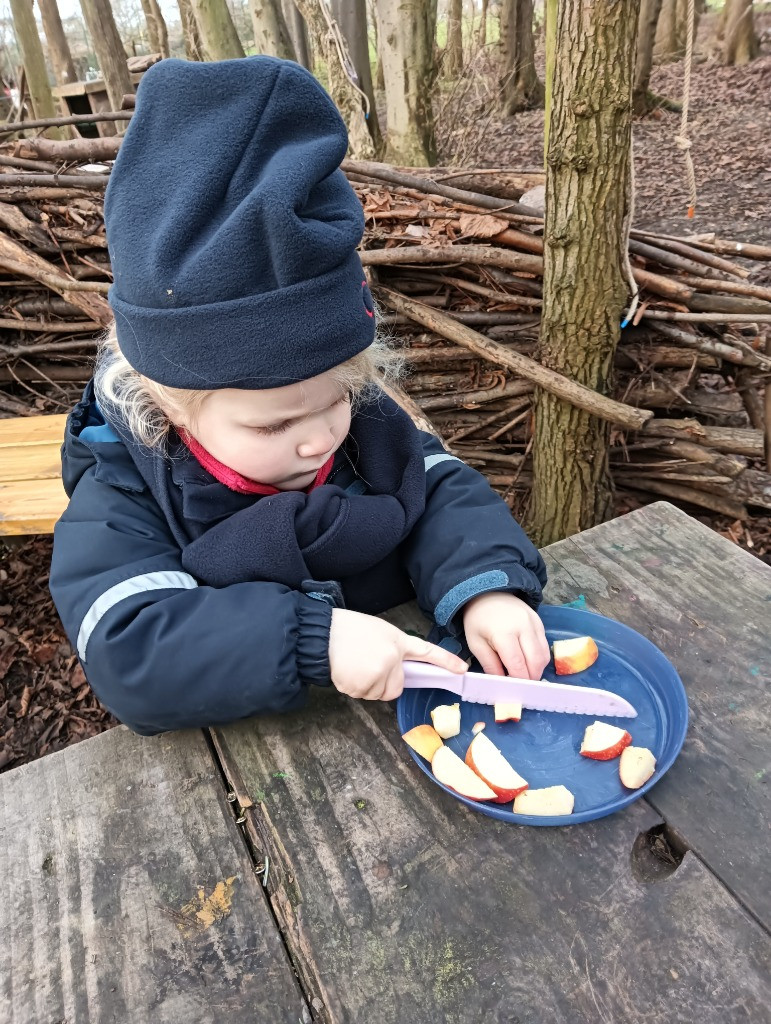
{"points": [[149, 409]]}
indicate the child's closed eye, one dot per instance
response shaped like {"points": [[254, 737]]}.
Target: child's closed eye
{"points": [[281, 428]]}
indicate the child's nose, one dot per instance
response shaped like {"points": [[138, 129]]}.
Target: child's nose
{"points": [[318, 442]]}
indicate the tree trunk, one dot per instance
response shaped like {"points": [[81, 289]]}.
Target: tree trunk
{"points": [[218, 33], [110, 54], [351, 16], [157, 32], [190, 33], [453, 51], [585, 288], [372, 20], [406, 35], [521, 87], [271, 34], [298, 33], [741, 42], [342, 91], [672, 29], [646, 33], [25, 28], [58, 47], [482, 37]]}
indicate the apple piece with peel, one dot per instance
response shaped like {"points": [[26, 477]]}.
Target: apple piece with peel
{"points": [[446, 719], [424, 740], [574, 655], [484, 758], [449, 769], [636, 766], [554, 800], [508, 711], [603, 742], [477, 727]]}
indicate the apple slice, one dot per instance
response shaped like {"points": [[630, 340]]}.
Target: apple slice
{"points": [[484, 758], [424, 740], [553, 800], [477, 727], [574, 655], [636, 766], [446, 719], [508, 711], [449, 769], [603, 742]]}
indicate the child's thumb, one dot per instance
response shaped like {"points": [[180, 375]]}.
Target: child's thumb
{"points": [[432, 654]]}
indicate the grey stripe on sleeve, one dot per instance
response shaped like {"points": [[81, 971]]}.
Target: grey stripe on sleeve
{"points": [[166, 580], [432, 460]]}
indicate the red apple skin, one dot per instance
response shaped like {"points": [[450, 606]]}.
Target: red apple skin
{"points": [[610, 752], [571, 664], [503, 796]]}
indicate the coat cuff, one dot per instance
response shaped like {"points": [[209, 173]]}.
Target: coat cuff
{"points": [[315, 621], [520, 581]]}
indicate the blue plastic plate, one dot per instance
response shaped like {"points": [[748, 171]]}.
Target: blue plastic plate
{"points": [[544, 746]]}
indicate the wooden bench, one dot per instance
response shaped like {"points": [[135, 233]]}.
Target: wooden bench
{"points": [[301, 867], [31, 493]]}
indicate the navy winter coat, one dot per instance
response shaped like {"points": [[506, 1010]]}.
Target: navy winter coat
{"points": [[164, 648]]}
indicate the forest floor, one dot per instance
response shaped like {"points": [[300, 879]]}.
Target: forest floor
{"points": [[45, 703]]}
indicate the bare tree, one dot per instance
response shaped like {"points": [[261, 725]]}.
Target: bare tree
{"points": [[646, 34], [351, 16], [218, 33], [482, 36], [109, 52], [157, 33], [741, 44], [58, 47], [521, 87], [672, 29], [190, 31], [453, 51], [406, 44], [298, 32], [271, 35], [585, 285], [31, 48]]}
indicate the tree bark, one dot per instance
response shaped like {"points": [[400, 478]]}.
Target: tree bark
{"points": [[271, 34], [672, 28], [646, 34], [482, 36], [372, 20], [218, 33], [157, 33], [351, 16], [453, 51], [298, 33], [347, 98], [58, 47], [25, 28], [741, 42], [190, 32], [585, 288], [521, 87], [406, 34], [109, 52]]}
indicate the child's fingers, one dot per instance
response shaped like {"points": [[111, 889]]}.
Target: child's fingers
{"points": [[486, 656], [512, 656], [421, 650], [535, 651], [394, 683]]}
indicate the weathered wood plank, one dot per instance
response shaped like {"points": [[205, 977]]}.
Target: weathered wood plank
{"points": [[707, 605], [31, 462], [128, 894], [31, 506], [32, 430], [399, 904]]}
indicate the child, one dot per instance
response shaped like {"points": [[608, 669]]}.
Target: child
{"points": [[244, 499]]}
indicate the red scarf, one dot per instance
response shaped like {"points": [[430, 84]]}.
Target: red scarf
{"points": [[233, 480]]}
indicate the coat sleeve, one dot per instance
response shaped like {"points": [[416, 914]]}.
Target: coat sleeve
{"points": [[467, 542], [161, 651]]}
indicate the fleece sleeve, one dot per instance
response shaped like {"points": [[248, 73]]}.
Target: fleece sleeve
{"points": [[161, 651], [467, 542]]}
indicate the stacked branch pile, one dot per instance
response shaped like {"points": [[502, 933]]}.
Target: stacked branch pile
{"points": [[456, 264]]}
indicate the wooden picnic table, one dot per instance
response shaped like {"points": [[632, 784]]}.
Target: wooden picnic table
{"points": [[134, 872]]}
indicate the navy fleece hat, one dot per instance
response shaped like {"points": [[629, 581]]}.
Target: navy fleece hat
{"points": [[232, 230]]}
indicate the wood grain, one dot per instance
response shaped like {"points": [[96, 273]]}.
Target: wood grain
{"points": [[128, 894], [707, 605]]}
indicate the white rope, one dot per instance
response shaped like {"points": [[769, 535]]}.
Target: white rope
{"points": [[682, 141], [625, 231], [342, 52]]}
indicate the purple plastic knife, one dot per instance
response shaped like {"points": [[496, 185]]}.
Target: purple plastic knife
{"points": [[542, 695]]}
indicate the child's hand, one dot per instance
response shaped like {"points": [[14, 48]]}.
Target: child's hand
{"points": [[506, 636], [366, 655]]}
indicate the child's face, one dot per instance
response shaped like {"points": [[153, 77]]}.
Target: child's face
{"points": [[280, 437]]}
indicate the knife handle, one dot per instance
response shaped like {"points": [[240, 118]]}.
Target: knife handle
{"points": [[420, 675]]}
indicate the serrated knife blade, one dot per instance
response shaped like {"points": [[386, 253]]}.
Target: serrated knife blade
{"points": [[538, 695]]}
